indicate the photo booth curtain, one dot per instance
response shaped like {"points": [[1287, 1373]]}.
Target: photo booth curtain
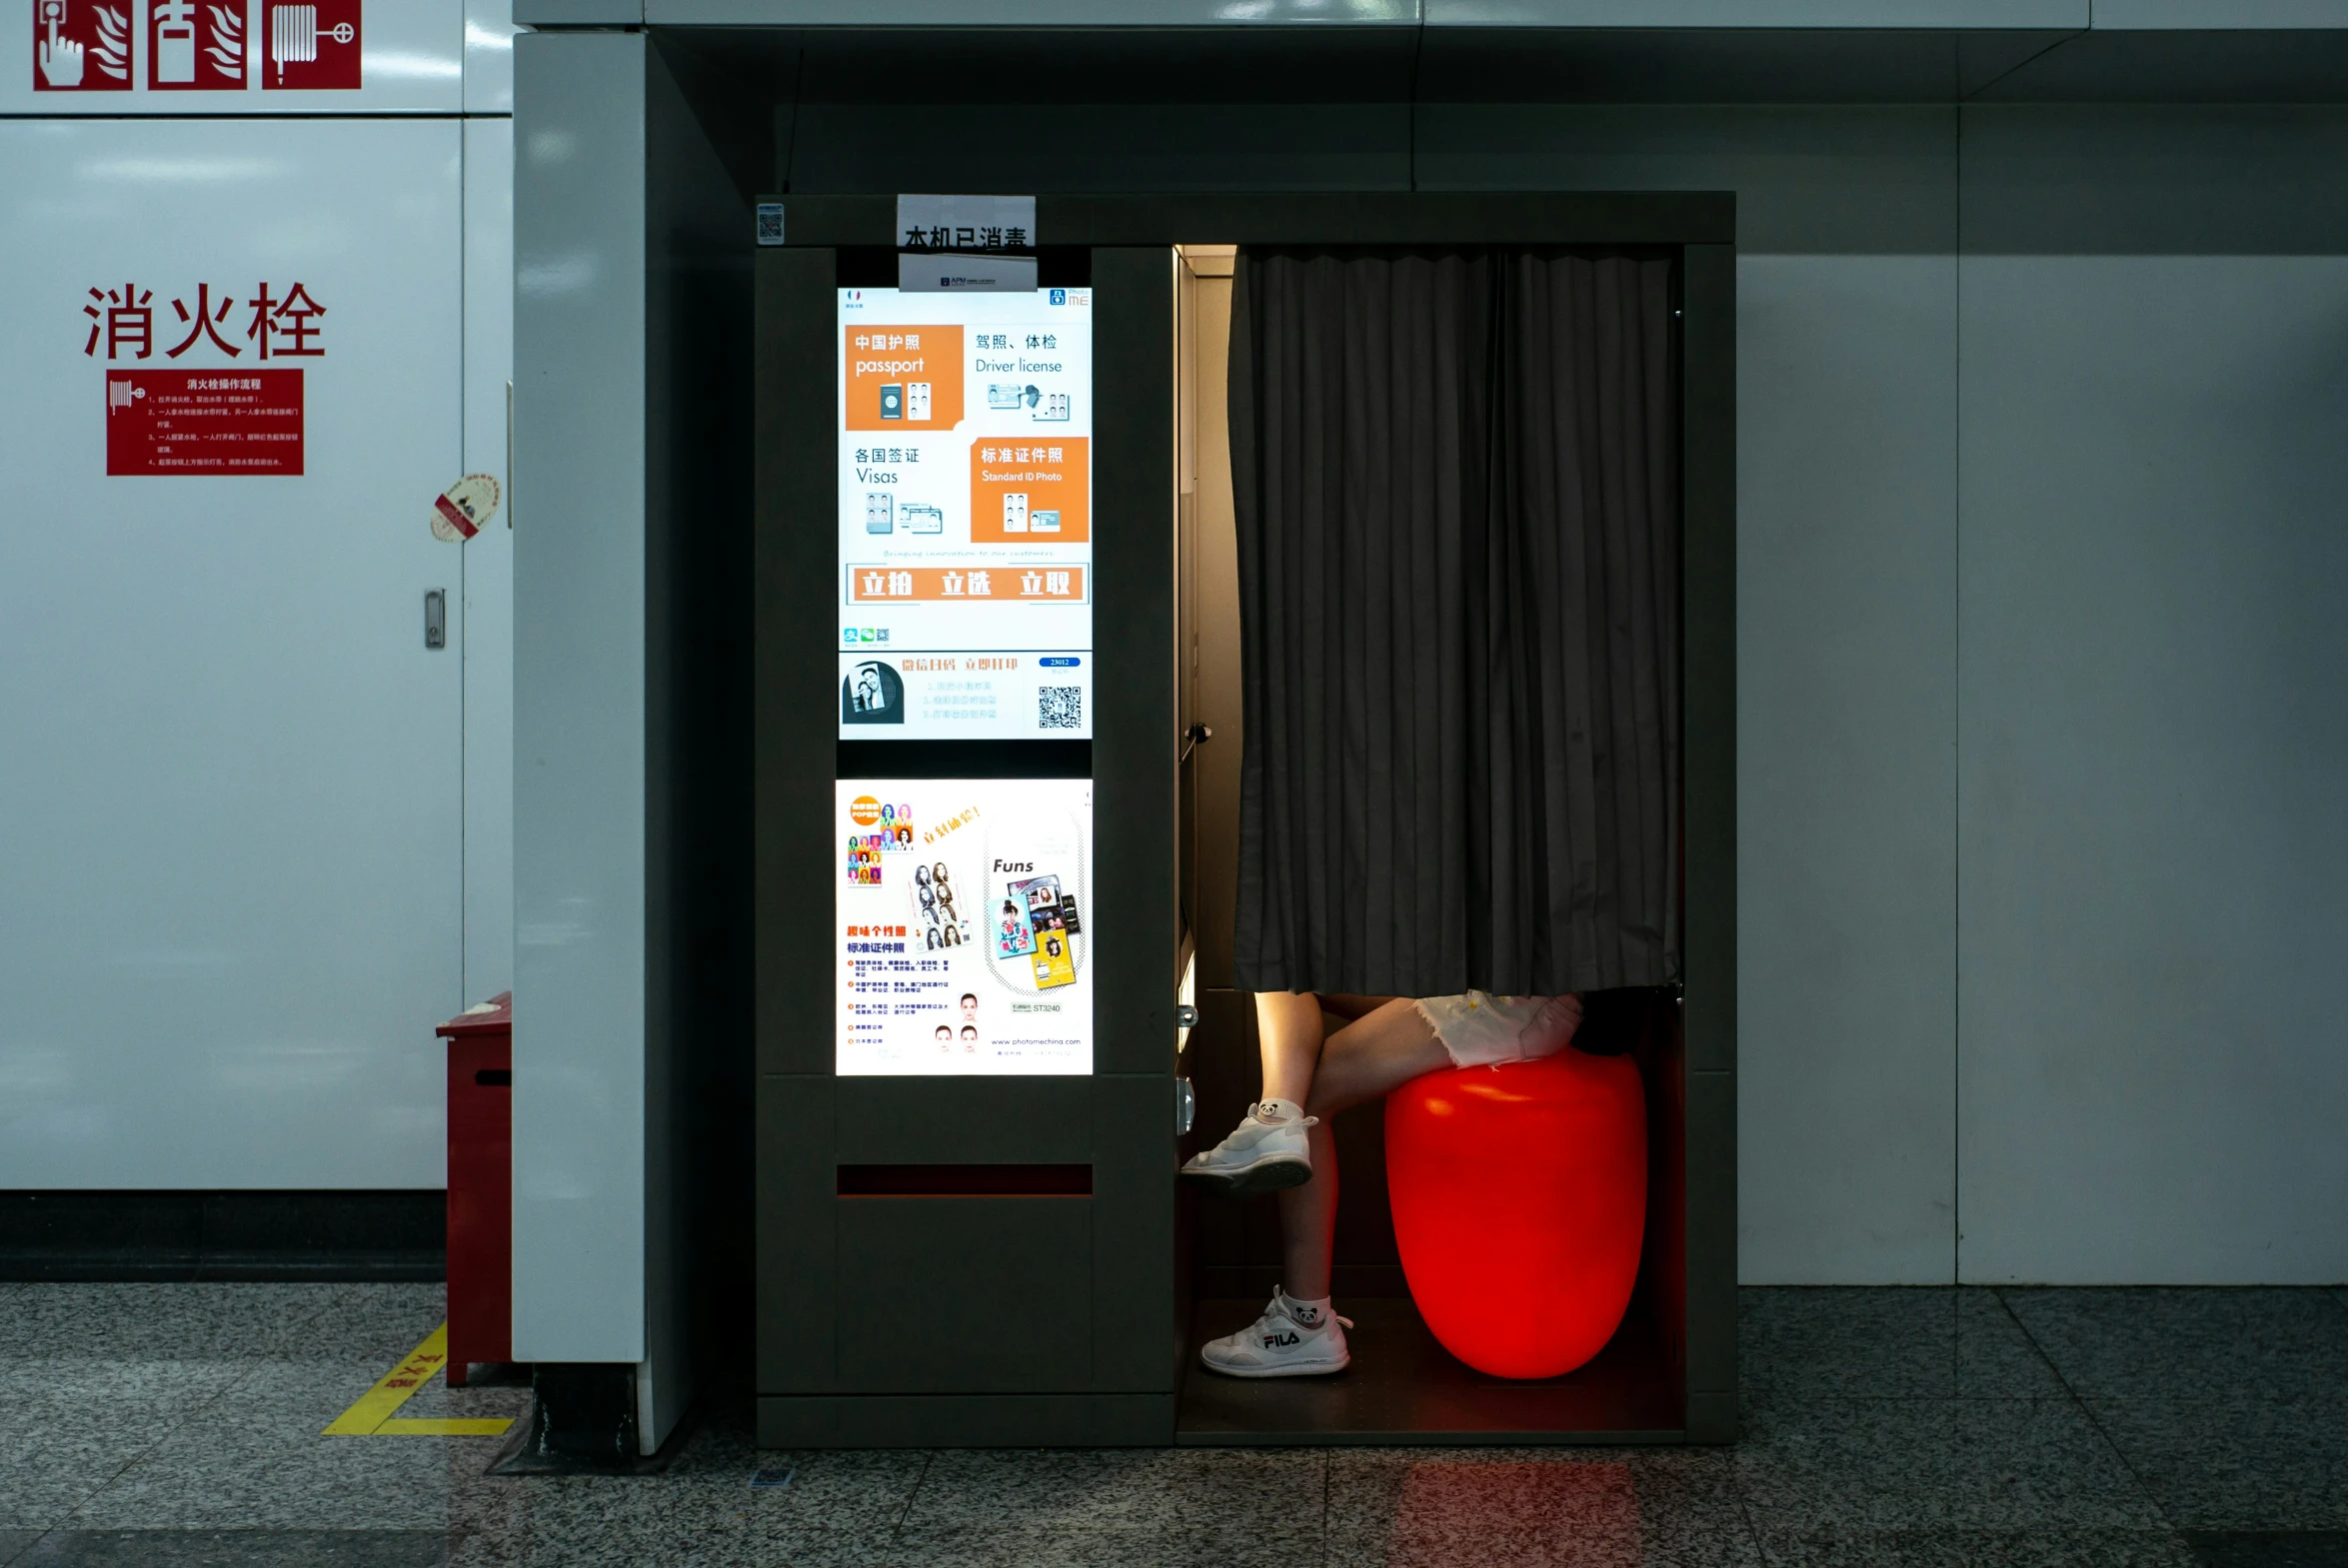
{"points": [[1456, 478]]}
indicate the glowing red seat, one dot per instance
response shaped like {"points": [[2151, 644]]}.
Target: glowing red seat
{"points": [[1519, 1199]]}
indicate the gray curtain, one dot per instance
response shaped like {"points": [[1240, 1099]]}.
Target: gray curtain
{"points": [[1456, 478]]}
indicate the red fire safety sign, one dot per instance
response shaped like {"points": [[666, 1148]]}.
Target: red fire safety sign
{"points": [[83, 46], [204, 421]]}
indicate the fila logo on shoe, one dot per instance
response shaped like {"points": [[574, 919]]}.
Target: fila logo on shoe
{"points": [[1277, 1341]]}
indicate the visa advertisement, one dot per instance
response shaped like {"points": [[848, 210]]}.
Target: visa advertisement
{"points": [[965, 515], [960, 917]]}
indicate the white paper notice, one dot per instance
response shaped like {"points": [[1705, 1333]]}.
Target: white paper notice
{"points": [[961, 927], [965, 515]]}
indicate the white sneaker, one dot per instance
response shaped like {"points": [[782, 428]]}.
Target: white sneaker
{"points": [[1265, 1152], [1278, 1345]]}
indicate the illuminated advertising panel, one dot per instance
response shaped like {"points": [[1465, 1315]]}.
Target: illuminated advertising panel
{"points": [[960, 921], [965, 515]]}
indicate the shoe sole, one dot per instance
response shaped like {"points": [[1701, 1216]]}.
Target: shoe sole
{"points": [[1315, 1369], [1269, 1175]]}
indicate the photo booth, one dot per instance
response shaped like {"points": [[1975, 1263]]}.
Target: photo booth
{"points": [[967, 1223]]}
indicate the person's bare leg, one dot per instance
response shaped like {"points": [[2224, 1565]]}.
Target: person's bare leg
{"points": [[1383, 1049], [1287, 1034], [1350, 1007], [1270, 1148], [1308, 1222]]}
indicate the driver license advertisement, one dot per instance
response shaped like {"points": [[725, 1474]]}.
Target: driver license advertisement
{"points": [[965, 515], [961, 912]]}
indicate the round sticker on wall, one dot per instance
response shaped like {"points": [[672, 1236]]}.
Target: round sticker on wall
{"points": [[465, 508]]}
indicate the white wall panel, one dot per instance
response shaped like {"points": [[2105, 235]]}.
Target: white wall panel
{"points": [[229, 915], [1847, 660], [2155, 373], [2153, 742], [489, 56]]}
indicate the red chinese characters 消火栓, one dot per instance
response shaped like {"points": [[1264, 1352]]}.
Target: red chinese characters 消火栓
{"points": [[279, 324]]}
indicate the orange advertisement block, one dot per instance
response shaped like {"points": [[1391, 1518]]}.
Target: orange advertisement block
{"points": [[1009, 584], [1031, 490], [902, 378]]}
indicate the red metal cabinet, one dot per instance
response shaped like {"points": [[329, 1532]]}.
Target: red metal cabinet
{"points": [[481, 1185]]}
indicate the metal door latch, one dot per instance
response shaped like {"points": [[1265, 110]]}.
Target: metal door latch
{"points": [[1186, 1106], [436, 618], [1185, 1016]]}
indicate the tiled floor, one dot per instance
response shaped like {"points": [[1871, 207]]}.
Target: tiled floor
{"points": [[170, 1425]]}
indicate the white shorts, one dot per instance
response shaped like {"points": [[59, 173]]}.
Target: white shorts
{"points": [[1480, 1029]]}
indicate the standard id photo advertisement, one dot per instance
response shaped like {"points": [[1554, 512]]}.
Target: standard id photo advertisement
{"points": [[965, 515], [960, 922]]}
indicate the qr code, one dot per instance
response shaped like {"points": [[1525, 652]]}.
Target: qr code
{"points": [[1060, 707]]}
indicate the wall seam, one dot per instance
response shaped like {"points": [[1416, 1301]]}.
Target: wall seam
{"points": [[466, 349], [1956, 1008], [463, 578], [1963, 97]]}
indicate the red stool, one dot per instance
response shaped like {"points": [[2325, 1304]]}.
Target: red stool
{"points": [[1520, 1196], [481, 1185]]}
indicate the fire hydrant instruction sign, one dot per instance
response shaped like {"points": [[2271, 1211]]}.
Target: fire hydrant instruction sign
{"points": [[204, 421], [960, 921], [965, 515]]}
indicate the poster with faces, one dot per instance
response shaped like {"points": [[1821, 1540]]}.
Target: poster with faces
{"points": [[961, 919]]}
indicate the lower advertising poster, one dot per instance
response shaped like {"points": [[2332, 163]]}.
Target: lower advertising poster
{"points": [[960, 917]]}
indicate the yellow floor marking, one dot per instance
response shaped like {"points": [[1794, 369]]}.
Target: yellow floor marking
{"points": [[371, 1415], [444, 1426]]}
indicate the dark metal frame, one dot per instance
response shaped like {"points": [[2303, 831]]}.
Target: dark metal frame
{"points": [[1099, 1271]]}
